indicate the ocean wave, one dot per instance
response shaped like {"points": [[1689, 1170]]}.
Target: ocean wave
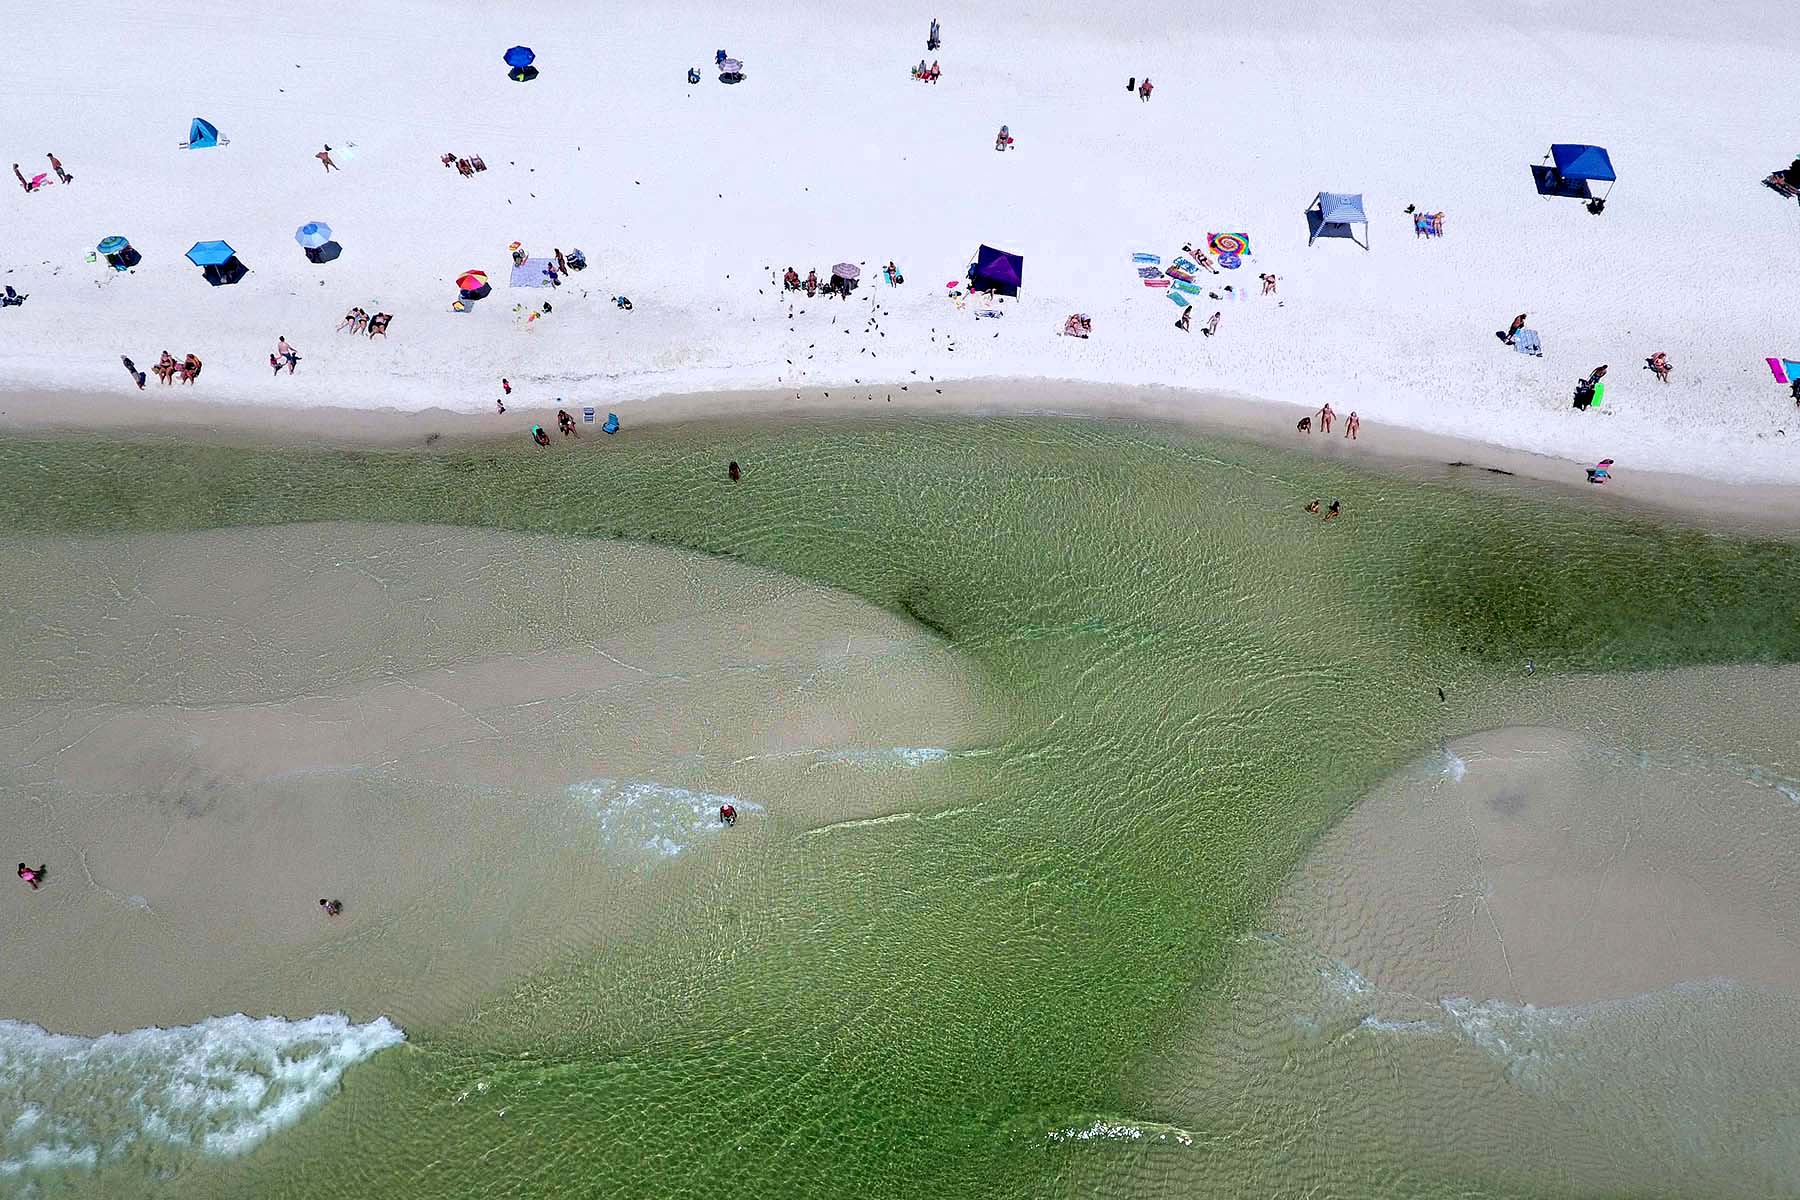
{"points": [[216, 1088], [640, 819]]}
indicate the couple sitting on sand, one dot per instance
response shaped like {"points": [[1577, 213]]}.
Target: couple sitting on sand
{"points": [[168, 370]]}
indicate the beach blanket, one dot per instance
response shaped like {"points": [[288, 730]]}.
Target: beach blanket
{"points": [[1149, 273], [1157, 283], [1785, 370], [1186, 265], [530, 273], [1147, 258], [1178, 273], [1228, 243], [1526, 342]]}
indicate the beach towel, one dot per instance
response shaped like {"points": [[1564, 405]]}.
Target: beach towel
{"points": [[1785, 370], [1149, 273], [1157, 283], [1147, 258], [1186, 265], [530, 273], [1180, 300], [1526, 342], [1178, 273], [1228, 243], [1192, 289]]}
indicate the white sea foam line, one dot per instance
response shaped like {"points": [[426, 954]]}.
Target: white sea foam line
{"points": [[639, 818], [218, 1087]]}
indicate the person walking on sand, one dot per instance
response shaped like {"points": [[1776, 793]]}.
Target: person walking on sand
{"points": [[1212, 325], [1144, 89], [1268, 282], [34, 878], [56, 165], [324, 156], [275, 364], [1352, 425], [1326, 416], [288, 354], [1186, 319], [1659, 365]]}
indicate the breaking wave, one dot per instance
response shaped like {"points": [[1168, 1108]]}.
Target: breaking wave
{"points": [[216, 1088]]}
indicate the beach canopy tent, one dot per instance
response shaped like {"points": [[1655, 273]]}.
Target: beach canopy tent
{"points": [[201, 134], [1571, 169], [996, 271], [217, 261], [1332, 214]]}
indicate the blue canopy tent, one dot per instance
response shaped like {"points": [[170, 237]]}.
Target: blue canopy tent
{"points": [[1331, 214], [203, 133], [996, 271], [217, 262], [1569, 170]]}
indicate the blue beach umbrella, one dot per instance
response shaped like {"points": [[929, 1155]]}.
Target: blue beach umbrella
{"points": [[519, 56], [313, 234], [210, 254], [112, 245]]}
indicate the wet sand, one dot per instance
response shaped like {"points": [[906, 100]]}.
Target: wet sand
{"points": [[204, 733], [1555, 958], [1749, 507]]}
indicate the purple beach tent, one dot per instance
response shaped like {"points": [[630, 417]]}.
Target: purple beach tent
{"points": [[996, 271]]}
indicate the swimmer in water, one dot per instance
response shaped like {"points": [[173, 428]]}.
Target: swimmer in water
{"points": [[1313, 507], [1530, 667], [539, 436], [332, 907], [1333, 511]]}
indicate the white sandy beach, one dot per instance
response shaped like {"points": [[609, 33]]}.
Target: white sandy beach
{"points": [[686, 198]]}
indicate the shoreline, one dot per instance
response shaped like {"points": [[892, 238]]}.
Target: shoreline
{"points": [[1751, 507]]}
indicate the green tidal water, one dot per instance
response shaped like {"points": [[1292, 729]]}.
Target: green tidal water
{"points": [[1198, 678]]}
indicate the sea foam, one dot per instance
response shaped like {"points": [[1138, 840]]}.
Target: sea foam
{"points": [[639, 819], [216, 1088]]}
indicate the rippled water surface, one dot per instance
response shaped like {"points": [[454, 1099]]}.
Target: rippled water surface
{"points": [[1046, 964]]}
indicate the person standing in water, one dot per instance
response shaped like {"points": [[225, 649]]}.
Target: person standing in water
{"points": [[1352, 425]]}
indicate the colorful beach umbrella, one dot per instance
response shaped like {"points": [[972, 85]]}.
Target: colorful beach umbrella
{"points": [[519, 56], [472, 281], [112, 245], [210, 254], [313, 234], [846, 271]]}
